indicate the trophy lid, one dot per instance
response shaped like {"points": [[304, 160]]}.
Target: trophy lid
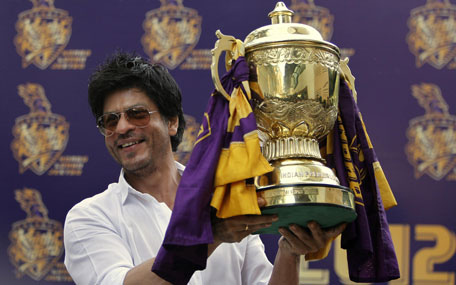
{"points": [[283, 29]]}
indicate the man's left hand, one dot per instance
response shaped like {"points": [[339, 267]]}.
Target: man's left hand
{"points": [[300, 241]]}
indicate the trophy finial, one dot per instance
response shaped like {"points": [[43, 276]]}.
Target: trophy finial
{"points": [[281, 14]]}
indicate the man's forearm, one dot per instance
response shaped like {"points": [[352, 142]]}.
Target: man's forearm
{"points": [[142, 274], [212, 246], [286, 268]]}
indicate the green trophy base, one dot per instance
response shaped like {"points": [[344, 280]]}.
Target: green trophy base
{"points": [[328, 205], [325, 215]]}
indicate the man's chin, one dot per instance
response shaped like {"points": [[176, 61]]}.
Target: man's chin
{"points": [[132, 163], [137, 168]]}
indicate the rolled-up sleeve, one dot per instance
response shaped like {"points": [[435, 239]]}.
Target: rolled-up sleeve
{"points": [[94, 250], [257, 269]]}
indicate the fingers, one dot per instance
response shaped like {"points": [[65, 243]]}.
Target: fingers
{"points": [[261, 202], [251, 220], [319, 236], [255, 227], [255, 220], [284, 244], [335, 231], [299, 240], [234, 229], [251, 224], [302, 241]]}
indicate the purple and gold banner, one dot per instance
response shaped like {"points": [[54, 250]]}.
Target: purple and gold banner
{"points": [[402, 53]]}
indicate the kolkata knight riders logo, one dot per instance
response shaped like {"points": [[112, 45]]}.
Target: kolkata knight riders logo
{"points": [[171, 32], [431, 148], [40, 137], [432, 36], [36, 242], [308, 13], [42, 33]]}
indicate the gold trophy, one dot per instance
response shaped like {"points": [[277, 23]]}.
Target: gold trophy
{"points": [[298, 74]]}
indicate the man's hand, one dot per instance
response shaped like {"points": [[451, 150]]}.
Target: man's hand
{"points": [[300, 241], [234, 229]]}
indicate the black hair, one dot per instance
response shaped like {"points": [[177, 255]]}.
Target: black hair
{"points": [[123, 71]]}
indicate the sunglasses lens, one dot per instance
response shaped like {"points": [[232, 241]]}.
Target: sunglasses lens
{"points": [[138, 116], [109, 121]]}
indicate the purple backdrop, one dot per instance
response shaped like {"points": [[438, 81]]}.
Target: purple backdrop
{"points": [[402, 54]]}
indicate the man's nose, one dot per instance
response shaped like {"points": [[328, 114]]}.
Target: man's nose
{"points": [[123, 125]]}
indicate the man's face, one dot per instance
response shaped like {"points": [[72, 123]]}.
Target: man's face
{"points": [[138, 149]]}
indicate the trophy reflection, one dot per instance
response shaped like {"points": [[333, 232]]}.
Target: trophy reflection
{"points": [[298, 75]]}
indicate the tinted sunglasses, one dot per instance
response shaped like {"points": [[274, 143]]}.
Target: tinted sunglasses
{"points": [[138, 116]]}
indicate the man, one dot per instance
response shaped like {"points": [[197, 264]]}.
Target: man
{"points": [[113, 237]]}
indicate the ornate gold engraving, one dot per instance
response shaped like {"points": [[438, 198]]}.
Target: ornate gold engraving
{"points": [[171, 32], [296, 55], [300, 104], [305, 118], [432, 34], [431, 148], [274, 149], [36, 241]]}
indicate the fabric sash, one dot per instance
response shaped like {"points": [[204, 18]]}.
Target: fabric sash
{"points": [[226, 153], [370, 251]]}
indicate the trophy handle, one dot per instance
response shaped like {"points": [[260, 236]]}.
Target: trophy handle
{"points": [[224, 43]]}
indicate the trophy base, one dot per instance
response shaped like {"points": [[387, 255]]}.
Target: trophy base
{"points": [[328, 205]]}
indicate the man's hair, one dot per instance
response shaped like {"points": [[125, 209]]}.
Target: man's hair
{"points": [[123, 71]]}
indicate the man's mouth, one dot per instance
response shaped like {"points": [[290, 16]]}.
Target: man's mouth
{"points": [[128, 144]]}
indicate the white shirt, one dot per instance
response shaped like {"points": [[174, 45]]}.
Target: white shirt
{"points": [[110, 233]]}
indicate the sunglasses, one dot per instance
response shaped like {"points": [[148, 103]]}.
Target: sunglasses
{"points": [[138, 116]]}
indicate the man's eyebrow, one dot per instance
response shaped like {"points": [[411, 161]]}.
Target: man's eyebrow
{"points": [[129, 107]]}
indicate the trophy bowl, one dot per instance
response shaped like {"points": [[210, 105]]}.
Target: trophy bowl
{"points": [[298, 77]]}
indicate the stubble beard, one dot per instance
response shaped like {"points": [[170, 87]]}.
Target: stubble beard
{"points": [[147, 166], [142, 168]]}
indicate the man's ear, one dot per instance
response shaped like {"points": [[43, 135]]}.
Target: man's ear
{"points": [[173, 124]]}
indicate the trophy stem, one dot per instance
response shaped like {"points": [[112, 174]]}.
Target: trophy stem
{"points": [[291, 147], [301, 190]]}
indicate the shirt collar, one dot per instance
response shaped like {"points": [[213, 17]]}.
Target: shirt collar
{"points": [[127, 189]]}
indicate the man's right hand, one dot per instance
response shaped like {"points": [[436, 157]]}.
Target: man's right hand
{"points": [[236, 228]]}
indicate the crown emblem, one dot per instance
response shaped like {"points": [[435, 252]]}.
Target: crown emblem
{"points": [[171, 32], [42, 33], [431, 148], [40, 137], [37, 241], [431, 38], [306, 12]]}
